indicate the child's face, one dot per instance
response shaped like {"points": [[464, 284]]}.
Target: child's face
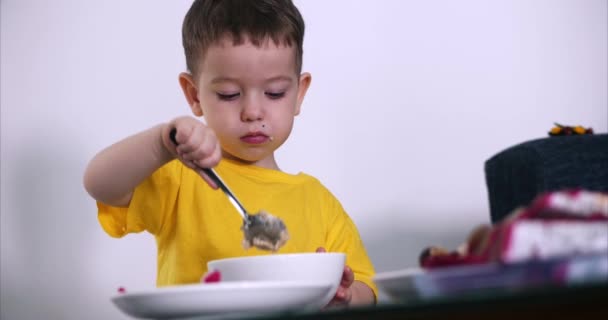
{"points": [[249, 96]]}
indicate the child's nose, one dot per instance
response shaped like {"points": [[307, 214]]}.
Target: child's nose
{"points": [[252, 111]]}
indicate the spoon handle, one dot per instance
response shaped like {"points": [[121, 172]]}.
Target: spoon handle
{"points": [[218, 181], [235, 202]]}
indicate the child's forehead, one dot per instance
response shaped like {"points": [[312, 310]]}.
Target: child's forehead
{"points": [[228, 54]]}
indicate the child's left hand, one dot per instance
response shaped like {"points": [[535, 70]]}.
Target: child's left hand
{"points": [[344, 293]]}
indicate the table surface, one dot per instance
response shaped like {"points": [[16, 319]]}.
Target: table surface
{"points": [[582, 301]]}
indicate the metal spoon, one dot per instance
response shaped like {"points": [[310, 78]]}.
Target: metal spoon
{"points": [[261, 230]]}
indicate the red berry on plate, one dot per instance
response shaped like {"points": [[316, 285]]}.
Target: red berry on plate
{"points": [[122, 290], [214, 276]]}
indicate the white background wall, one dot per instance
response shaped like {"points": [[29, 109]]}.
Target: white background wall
{"points": [[408, 100]]}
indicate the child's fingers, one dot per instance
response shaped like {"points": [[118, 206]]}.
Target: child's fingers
{"points": [[189, 164], [320, 249], [342, 297], [209, 181], [192, 141], [348, 277], [343, 294], [197, 147], [183, 131], [211, 159], [198, 135], [204, 154], [340, 293], [202, 148]]}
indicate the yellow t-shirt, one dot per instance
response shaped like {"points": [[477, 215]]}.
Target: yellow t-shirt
{"points": [[193, 223]]}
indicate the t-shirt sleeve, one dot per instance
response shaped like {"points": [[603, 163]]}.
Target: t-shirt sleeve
{"points": [[343, 236], [151, 206]]}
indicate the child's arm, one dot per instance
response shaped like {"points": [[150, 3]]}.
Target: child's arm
{"points": [[113, 174]]}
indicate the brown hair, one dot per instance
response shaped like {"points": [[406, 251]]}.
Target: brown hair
{"points": [[208, 21]]}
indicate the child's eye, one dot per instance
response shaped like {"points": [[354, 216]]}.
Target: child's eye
{"points": [[227, 97], [275, 95]]}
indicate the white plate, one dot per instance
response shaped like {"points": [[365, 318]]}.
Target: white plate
{"points": [[406, 284], [222, 297], [399, 285]]}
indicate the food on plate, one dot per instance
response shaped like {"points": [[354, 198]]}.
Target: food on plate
{"points": [[556, 224]]}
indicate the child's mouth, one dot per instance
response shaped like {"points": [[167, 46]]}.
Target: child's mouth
{"points": [[255, 138]]}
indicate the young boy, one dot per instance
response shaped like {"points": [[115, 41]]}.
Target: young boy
{"points": [[244, 60]]}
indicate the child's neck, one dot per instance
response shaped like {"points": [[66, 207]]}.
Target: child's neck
{"points": [[268, 162]]}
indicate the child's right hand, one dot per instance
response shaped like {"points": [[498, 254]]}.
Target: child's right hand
{"points": [[197, 146]]}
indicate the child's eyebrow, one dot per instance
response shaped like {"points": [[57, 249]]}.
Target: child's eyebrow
{"points": [[279, 78], [271, 79], [223, 79]]}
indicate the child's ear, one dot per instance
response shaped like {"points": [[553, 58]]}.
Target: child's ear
{"points": [[191, 92], [304, 83]]}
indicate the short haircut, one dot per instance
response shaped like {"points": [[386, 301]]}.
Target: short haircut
{"points": [[208, 21]]}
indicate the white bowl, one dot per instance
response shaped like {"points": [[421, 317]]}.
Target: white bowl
{"points": [[309, 267]]}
